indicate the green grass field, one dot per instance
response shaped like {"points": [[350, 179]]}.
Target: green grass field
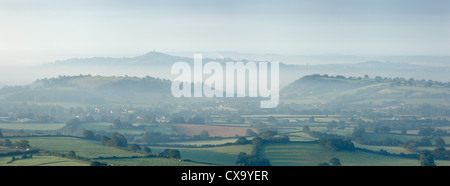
{"points": [[38, 160], [31, 126], [390, 149], [300, 136], [103, 126], [87, 149], [225, 155], [151, 162], [82, 147], [206, 142], [311, 154]]}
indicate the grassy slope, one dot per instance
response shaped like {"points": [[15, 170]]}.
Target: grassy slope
{"points": [[225, 155], [38, 160], [309, 90], [82, 147], [310, 154], [151, 162], [88, 149]]}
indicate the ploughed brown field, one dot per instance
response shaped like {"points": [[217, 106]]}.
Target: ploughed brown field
{"points": [[214, 131]]}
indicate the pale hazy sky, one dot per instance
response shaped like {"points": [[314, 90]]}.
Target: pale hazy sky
{"points": [[39, 31]]}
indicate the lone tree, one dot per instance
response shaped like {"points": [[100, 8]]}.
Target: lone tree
{"points": [[116, 140], [134, 147], [242, 140], [71, 154], [426, 159], [87, 134], [170, 153], [334, 162], [147, 150], [7, 143], [331, 162], [251, 160], [440, 142], [22, 144], [306, 129], [204, 134]]}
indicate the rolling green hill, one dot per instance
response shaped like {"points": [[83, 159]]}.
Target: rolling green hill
{"points": [[311, 154], [324, 88], [86, 89]]}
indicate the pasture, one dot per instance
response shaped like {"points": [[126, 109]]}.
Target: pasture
{"points": [[137, 129], [31, 126], [87, 149], [205, 142], [214, 131], [223, 155], [311, 154], [39, 160], [150, 162], [82, 147]]}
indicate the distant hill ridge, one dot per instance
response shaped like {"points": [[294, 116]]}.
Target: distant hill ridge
{"points": [[360, 89], [87, 89]]}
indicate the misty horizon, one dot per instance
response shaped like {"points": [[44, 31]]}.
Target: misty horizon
{"points": [[219, 83], [45, 31]]}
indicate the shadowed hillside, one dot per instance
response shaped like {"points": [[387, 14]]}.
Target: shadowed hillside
{"points": [[365, 90], [88, 89]]}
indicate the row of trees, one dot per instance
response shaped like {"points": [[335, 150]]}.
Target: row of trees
{"points": [[410, 145], [21, 144], [337, 144], [115, 139]]}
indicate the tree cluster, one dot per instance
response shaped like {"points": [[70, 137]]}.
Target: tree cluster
{"points": [[170, 153], [150, 137], [273, 137], [428, 131], [245, 159], [337, 144], [116, 140], [331, 162], [22, 144], [117, 124], [255, 159]]}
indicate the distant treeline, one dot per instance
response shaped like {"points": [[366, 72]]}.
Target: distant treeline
{"points": [[378, 79], [255, 157], [336, 143]]}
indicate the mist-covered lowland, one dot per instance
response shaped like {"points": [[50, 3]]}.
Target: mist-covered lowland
{"points": [[120, 111], [158, 65], [223, 83]]}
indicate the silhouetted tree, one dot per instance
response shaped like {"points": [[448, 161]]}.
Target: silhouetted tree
{"points": [[87, 134], [426, 159], [134, 147], [242, 140], [22, 144], [440, 142], [147, 150], [334, 162], [72, 155], [7, 143]]}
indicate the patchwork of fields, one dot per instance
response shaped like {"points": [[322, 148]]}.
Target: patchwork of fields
{"points": [[214, 131], [42, 160], [302, 152], [311, 154], [85, 148]]}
